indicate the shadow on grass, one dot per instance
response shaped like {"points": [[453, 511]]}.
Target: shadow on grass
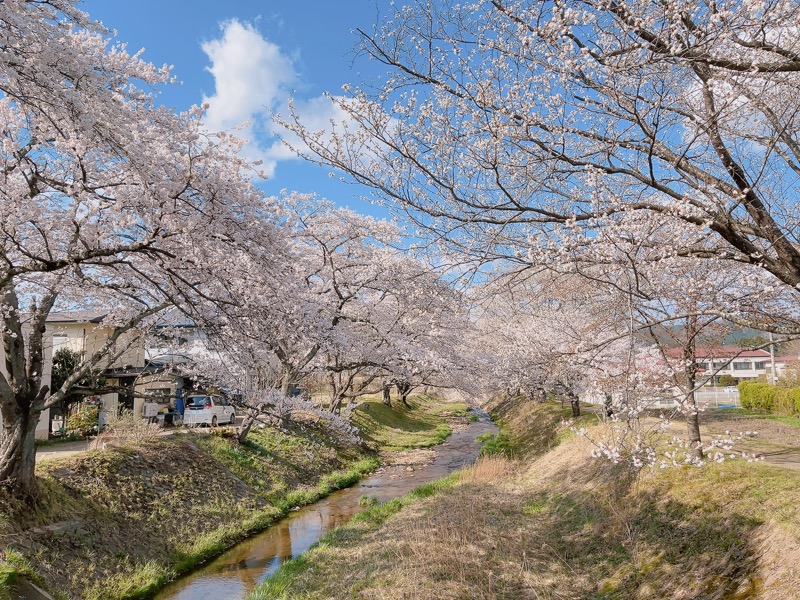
{"points": [[661, 549]]}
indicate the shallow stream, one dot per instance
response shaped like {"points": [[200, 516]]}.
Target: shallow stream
{"points": [[234, 574]]}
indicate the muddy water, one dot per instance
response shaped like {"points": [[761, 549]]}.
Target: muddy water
{"points": [[234, 574]]}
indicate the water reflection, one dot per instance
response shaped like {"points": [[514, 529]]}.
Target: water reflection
{"points": [[236, 573]]}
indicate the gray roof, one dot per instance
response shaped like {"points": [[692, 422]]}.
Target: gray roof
{"points": [[76, 316]]}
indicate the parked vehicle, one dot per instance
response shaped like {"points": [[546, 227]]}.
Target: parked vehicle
{"points": [[208, 409]]}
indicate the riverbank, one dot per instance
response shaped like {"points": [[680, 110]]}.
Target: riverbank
{"points": [[117, 523], [554, 523]]}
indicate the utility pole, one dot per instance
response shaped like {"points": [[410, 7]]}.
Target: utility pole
{"points": [[772, 360]]}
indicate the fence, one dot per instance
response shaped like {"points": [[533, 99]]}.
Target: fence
{"points": [[710, 397]]}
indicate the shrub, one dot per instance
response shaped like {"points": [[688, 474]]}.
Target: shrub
{"points": [[365, 500], [84, 421], [125, 429], [495, 444], [755, 395], [726, 380]]}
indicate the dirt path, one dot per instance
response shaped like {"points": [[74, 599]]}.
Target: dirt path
{"points": [[62, 449]]}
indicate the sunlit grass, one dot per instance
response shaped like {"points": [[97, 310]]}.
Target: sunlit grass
{"points": [[786, 420], [398, 427]]}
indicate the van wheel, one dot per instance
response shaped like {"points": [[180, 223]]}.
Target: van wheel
{"points": [[214, 421], [233, 418]]}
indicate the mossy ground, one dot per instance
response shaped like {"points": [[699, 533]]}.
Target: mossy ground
{"points": [[558, 524], [118, 523]]}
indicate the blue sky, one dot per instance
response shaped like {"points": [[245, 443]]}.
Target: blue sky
{"points": [[243, 55]]}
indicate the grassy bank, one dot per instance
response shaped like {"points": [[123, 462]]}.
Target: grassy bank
{"points": [[120, 522], [420, 425], [558, 524]]}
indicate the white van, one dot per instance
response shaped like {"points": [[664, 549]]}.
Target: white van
{"points": [[208, 409]]}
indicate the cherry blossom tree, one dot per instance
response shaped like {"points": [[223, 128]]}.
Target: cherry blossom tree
{"points": [[554, 332], [523, 131], [107, 202], [372, 315]]}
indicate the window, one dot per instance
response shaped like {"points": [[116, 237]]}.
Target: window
{"points": [[741, 366], [60, 340], [760, 366]]}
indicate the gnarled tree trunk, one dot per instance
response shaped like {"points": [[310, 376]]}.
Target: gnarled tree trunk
{"points": [[404, 389], [18, 453]]}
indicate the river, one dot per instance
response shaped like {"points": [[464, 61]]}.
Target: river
{"points": [[234, 574]]}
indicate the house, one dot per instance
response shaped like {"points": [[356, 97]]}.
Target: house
{"points": [[84, 332], [739, 364], [146, 377]]}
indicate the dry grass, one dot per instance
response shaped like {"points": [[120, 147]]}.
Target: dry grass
{"points": [[566, 526], [126, 429], [488, 469]]}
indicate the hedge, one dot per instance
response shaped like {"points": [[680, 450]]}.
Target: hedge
{"points": [[764, 396]]}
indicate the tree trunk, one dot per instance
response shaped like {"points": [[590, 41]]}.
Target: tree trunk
{"points": [[404, 389], [575, 404], [690, 407], [609, 405], [387, 398], [287, 384], [336, 404], [18, 455], [693, 428], [247, 424]]}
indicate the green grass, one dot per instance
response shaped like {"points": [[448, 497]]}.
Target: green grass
{"points": [[365, 500], [13, 565], [330, 483], [528, 428], [499, 443], [148, 577], [72, 437], [757, 414], [272, 462], [401, 428]]}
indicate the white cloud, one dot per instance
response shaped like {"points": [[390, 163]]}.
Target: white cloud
{"points": [[251, 75], [253, 78], [316, 114]]}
